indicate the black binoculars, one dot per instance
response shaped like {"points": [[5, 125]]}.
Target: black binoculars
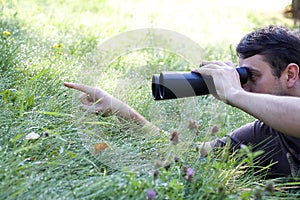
{"points": [[173, 85]]}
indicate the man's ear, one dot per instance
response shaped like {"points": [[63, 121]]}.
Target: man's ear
{"points": [[292, 74]]}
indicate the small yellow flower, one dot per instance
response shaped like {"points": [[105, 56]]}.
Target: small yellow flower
{"points": [[6, 33], [59, 45], [55, 46]]}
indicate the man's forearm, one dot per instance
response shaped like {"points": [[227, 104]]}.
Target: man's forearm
{"points": [[279, 112], [125, 111]]}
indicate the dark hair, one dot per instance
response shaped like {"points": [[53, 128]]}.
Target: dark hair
{"points": [[277, 44]]}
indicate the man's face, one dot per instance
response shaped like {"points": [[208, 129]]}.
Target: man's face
{"points": [[262, 79]]}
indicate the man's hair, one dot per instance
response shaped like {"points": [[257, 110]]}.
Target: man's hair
{"points": [[278, 45]]}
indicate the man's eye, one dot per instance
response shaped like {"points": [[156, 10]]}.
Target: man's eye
{"points": [[252, 76]]}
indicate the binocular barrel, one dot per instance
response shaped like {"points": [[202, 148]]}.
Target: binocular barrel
{"points": [[172, 85]]}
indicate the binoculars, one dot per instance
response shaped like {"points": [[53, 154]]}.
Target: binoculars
{"points": [[173, 85]]}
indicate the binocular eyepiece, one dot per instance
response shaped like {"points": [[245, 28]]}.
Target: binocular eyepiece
{"points": [[172, 85]]}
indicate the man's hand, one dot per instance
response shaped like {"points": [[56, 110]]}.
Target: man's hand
{"points": [[221, 78], [100, 102], [96, 99]]}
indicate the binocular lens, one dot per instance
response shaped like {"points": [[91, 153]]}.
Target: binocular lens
{"points": [[155, 87]]}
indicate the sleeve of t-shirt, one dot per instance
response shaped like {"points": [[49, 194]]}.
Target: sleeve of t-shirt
{"points": [[249, 134]]}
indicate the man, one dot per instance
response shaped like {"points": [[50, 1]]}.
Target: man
{"points": [[272, 57]]}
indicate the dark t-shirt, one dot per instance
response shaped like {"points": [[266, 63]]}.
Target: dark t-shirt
{"points": [[280, 149]]}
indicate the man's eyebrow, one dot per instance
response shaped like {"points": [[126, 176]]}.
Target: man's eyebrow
{"points": [[252, 70]]}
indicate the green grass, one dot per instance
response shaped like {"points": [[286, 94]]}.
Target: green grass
{"points": [[44, 43]]}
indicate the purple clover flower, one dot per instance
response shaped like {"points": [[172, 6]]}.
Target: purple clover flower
{"points": [[189, 174], [151, 194]]}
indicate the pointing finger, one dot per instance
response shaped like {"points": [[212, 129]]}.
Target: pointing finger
{"points": [[81, 87], [93, 92]]}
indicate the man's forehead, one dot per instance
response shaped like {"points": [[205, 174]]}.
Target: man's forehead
{"points": [[255, 62]]}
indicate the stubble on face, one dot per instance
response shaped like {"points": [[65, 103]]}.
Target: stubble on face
{"points": [[262, 78]]}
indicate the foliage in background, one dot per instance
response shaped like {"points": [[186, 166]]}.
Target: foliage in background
{"points": [[39, 51]]}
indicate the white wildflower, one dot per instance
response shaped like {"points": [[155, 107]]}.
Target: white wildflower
{"points": [[32, 136]]}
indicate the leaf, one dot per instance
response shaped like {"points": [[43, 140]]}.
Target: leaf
{"points": [[98, 147], [55, 114], [13, 140]]}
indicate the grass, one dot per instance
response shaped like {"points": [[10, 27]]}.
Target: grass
{"points": [[44, 43]]}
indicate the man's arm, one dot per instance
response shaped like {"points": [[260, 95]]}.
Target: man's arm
{"points": [[279, 112], [101, 102]]}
